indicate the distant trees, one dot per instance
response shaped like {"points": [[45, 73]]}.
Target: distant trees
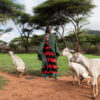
{"points": [[11, 10], [25, 28], [73, 11], [57, 13], [18, 45], [35, 41], [3, 47], [93, 32], [89, 43]]}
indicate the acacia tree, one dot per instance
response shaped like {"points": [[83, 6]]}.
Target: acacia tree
{"points": [[11, 10], [25, 28], [41, 20], [76, 11], [60, 29], [8, 10]]}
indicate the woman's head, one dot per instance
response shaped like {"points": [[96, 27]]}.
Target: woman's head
{"points": [[48, 29]]}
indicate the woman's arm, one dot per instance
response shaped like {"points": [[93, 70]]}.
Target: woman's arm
{"points": [[39, 52], [56, 48]]}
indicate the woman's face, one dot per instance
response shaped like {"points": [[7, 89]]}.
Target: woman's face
{"points": [[50, 29]]}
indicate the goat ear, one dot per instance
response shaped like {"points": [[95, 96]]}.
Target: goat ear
{"points": [[71, 50]]}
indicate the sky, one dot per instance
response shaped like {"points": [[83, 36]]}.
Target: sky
{"points": [[94, 19]]}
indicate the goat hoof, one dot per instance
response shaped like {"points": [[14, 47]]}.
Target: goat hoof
{"points": [[88, 84], [73, 83], [78, 83], [97, 94], [93, 97]]}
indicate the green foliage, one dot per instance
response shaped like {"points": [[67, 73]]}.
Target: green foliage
{"points": [[24, 18], [87, 38], [9, 9], [2, 42], [25, 27], [43, 20], [35, 40], [88, 43], [84, 38], [60, 10], [93, 32], [16, 43]]}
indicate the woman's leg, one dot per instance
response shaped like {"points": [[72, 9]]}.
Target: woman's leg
{"points": [[44, 71]]}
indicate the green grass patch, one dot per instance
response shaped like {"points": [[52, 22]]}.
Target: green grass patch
{"points": [[3, 81], [34, 65]]}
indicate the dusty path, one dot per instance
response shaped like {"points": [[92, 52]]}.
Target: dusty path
{"points": [[38, 88]]}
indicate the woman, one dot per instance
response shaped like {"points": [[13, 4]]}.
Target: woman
{"points": [[48, 53]]}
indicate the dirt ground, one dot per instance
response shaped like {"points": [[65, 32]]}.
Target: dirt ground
{"points": [[39, 88]]}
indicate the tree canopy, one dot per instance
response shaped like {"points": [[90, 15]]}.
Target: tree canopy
{"points": [[9, 9], [62, 9], [74, 11]]}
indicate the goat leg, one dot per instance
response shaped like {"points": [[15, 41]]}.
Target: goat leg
{"points": [[21, 74], [73, 77], [94, 92], [18, 73], [96, 89], [88, 82], [78, 77]]}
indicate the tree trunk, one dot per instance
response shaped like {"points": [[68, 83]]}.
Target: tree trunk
{"points": [[61, 35], [77, 46], [26, 46], [26, 49]]}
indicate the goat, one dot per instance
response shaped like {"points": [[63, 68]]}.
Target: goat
{"points": [[77, 68], [93, 66], [19, 64]]}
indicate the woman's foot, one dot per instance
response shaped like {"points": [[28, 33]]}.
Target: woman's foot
{"points": [[44, 75], [47, 77], [57, 77]]}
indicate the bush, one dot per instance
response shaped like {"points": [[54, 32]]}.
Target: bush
{"points": [[97, 48]]}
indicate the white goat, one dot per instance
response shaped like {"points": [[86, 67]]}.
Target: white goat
{"points": [[93, 66], [76, 68], [19, 64]]}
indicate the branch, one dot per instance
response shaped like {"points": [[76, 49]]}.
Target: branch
{"points": [[83, 25], [19, 30], [63, 30], [58, 31]]}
